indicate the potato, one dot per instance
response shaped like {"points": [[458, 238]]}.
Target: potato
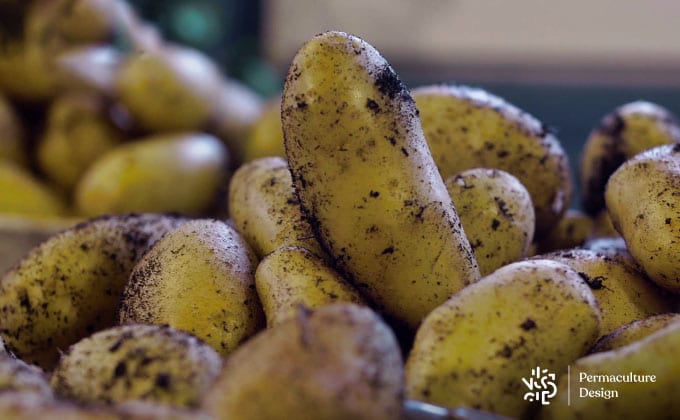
{"points": [[635, 331], [621, 134], [468, 127], [266, 135], [474, 349], [21, 193], [291, 277], [137, 362], [367, 182], [338, 362], [642, 199], [573, 229], [622, 291], [197, 278], [497, 214], [70, 285], [164, 173], [17, 375], [655, 355], [169, 89], [265, 208], [78, 132]]}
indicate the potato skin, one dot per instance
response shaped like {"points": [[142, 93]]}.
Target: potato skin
{"points": [[623, 133], [137, 362], [291, 277], [265, 209], [197, 278], [622, 290], [634, 331], [642, 200], [70, 285], [21, 193], [338, 362], [497, 215], [657, 354], [473, 349], [164, 173], [78, 131], [468, 127], [366, 180]]}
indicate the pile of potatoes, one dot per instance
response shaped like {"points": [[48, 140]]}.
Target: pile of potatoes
{"points": [[100, 115], [387, 253]]}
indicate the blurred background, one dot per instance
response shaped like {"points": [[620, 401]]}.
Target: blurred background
{"points": [[568, 63]]}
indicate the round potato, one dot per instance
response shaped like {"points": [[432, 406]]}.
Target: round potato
{"points": [[137, 362]]}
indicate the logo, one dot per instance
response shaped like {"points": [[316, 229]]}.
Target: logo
{"points": [[541, 385]]}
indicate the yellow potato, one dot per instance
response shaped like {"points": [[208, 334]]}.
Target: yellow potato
{"points": [[623, 292], [469, 127], [169, 89], [265, 209], [70, 285], [643, 201], [338, 362], [266, 135], [78, 132], [137, 362], [164, 173], [197, 278], [292, 277], [23, 194], [497, 214], [656, 355], [366, 180], [634, 331], [621, 134], [473, 350]]}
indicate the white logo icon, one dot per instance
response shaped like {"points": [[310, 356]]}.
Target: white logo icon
{"points": [[541, 386]]}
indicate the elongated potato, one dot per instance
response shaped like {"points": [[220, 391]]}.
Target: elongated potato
{"points": [[137, 362], [265, 208], [172, 88], [621, 289], [474, 349], [197, 278], [70, 285], [367, 181], [643, 201], [164, 173], [469, 127], [338, 362], [497, 215], [291, 277], [623, 133]]}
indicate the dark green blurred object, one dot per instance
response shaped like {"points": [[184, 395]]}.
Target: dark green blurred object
{"points": [[227, 30]]}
